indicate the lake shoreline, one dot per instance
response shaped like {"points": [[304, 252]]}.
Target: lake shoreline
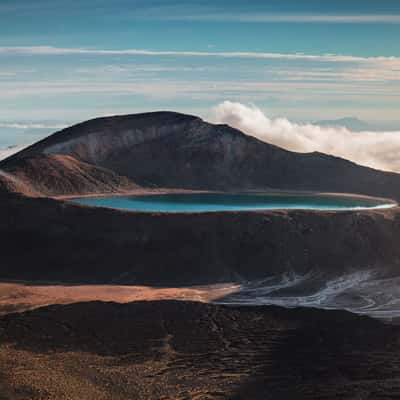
{"points": [[147, 192], [201, 202]]}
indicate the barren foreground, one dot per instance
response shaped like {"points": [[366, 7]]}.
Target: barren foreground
{"points": [[183, 350]]}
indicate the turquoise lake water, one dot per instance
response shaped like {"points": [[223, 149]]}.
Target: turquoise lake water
{"points": [[203, 202]]}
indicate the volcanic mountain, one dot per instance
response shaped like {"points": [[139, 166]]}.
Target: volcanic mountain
{"points": [[171, 150], [181, 350]]}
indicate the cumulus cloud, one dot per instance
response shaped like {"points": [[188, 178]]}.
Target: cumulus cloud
{"points": [[378, 150]]}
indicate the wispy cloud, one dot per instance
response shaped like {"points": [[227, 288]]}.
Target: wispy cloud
{"points": [[282, 18], [16, 125], [201, 89], [121, 69], [7, 74], [373, 149], [365, 73], [60, 51]]}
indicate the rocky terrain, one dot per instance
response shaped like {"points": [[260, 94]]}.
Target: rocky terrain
{"points": [[181, 350], [10, 183], [57, 174], [184, 350], [172, 150], [50, 240]]}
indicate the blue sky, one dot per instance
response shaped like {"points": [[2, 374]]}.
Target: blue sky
{"points": [[62, 62]]}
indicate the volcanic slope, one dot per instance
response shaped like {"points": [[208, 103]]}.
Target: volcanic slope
{"points": [[58, 174], [171, 150]]}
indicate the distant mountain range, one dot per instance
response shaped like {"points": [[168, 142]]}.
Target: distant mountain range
{"points": [[358, 125], [171, 150], [351, 123]]}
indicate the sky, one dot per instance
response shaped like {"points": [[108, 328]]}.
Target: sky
{"points": [[63, 62]]}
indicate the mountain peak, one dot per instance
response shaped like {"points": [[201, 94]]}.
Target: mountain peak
{"points": [[172, 150]]}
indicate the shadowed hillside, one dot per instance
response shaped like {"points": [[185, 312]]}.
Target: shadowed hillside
{"points": [[180, 350], [50, 240]]}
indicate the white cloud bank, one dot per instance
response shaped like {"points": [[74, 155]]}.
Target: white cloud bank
{"points": [[380, 150]]}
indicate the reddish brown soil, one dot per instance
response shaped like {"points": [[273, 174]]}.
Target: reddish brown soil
{"points": [[24, 296], [62, 174]]}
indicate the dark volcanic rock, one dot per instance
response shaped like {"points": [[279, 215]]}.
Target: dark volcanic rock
{"points": [[179, 151], [178, 350], [45, 239]]}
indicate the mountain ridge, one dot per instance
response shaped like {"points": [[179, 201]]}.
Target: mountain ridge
{"points": [[178, 151]]}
